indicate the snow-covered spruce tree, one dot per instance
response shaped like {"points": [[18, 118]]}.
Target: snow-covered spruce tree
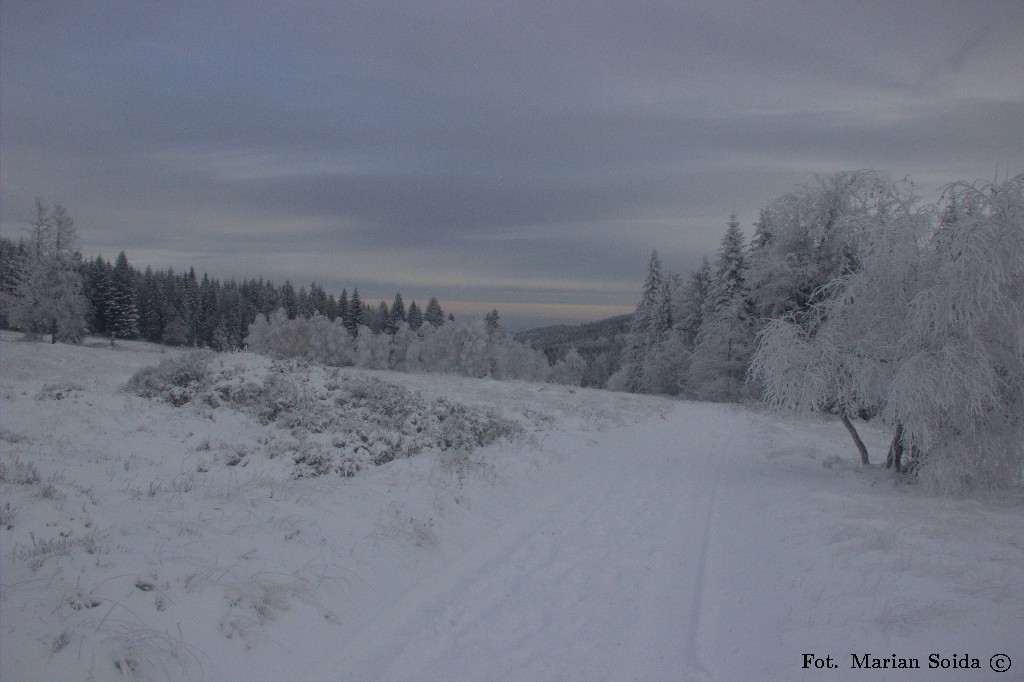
{"points": [[122, 307], [415, 316], [433, 314], [694, 298], [289, 300], [342, 312], [48, 298], [319, 302], [396, 315], [648, 328], [356, 314], [725, 340], [96, 288]]}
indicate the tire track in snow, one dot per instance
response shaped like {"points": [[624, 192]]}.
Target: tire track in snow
{"points": [[599, 576], [696, 606]]}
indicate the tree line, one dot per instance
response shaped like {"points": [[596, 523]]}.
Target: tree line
{"points": [[47, 288], [853, 299]]}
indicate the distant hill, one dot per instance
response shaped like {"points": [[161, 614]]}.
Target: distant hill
{"points": [[600, 343], [568, 335]]}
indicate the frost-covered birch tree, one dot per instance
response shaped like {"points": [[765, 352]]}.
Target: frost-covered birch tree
{"points": [[959, 392], [838, 356], [927, 334]]}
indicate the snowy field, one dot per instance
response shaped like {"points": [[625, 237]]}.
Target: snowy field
{"points": [[253, 528]]}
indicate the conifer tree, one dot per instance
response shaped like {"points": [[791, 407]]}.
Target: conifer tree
{"points": [[289, 300], [725, 342], [648, 327], [122, 307], [151, 307], [492, 322], [396, 315], [96, 288], [318, 301], [434, 315], [342, 312], [381, 319], [415, 317], [694, 297], [356, 314], [12, 259]]}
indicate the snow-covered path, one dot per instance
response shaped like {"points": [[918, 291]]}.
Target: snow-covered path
{"points": [[683, 547], [600, 576]]}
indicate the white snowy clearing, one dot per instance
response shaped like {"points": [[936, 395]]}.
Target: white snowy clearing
{"points": [[601, 536]]}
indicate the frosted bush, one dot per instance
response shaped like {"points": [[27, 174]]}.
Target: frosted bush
{"points": [[336, 423], [175, 380]]}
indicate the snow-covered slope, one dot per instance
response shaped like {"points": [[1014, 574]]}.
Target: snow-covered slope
{"points": [[602, 536]]}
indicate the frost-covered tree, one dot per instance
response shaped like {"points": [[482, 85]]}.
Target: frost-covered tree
{"points": [[356, 314], [12, 258], [289, 300], [958, 394], [840, 354], [725, 339], [433, 314], [123, 309], [415, 316], [342, 311], [570, 370], [48, 298], [396, 315], [694, 298], [927, 333], [493, 322], [808, 238], [649, 327]]}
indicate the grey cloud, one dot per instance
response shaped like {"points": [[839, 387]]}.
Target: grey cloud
{"points": [[516, 141]]}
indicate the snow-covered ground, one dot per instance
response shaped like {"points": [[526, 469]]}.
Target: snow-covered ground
{"points": [[595, 535]]}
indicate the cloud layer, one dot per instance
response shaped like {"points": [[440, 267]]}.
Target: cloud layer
{"points": [[518, 153]]}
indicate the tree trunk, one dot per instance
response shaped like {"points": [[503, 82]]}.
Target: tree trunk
{"points": [[856, 439], [895, 457]]}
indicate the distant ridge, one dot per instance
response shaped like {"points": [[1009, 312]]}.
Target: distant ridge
{"points": [[600, 343], [573, 335]]}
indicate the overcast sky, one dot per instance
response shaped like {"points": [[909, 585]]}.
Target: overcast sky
{"points": [[524, 155]]}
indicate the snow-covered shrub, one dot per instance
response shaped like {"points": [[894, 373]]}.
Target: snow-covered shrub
{"points": [[336, 422], [176, 380]]}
